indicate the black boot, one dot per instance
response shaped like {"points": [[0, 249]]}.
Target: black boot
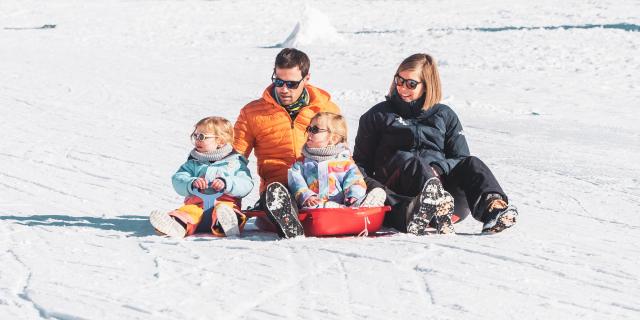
{"points": [[432, 203], [281, 211]]}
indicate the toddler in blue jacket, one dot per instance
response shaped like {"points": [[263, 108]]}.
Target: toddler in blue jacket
{"points": [[212, 167]]}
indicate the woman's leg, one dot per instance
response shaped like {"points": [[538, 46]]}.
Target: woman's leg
{"points": [[477, 181]]}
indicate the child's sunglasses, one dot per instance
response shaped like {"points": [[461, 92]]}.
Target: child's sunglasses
{"points": [[290, 84], [316, 130], [407, 83], [201, 136]]}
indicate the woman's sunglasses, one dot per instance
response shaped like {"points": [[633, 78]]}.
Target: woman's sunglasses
{"points": [[290, 84], [201, 136], [407, 83], [316, 130]]}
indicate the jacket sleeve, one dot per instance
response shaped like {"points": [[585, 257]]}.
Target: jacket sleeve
{"points": [[353, 184], [455, 144], [365, 146], [183, 178], [244, 139], [239, 183], [297, 184]]}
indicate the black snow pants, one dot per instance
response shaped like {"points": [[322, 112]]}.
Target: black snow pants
{"points": [[468, 182]]}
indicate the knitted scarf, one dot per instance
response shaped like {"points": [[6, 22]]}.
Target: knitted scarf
{"points": [[212, 156], [295, 107], [322, 154]]}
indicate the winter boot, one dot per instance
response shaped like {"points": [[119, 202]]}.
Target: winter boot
{"points": [[499, 216], [228, 220], [433, 203], [375, 198], [166, 224], [282, 212]]}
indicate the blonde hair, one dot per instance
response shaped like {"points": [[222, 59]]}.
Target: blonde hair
{"points": [[335, 123], [430, 77], [220, 127]]}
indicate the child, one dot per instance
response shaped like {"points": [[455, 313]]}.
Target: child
{"points": [[325, 176], [211, 164]]}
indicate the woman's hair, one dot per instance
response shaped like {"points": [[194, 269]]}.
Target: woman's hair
{"points": [[220, 127], [430, 77], [335, 123]]}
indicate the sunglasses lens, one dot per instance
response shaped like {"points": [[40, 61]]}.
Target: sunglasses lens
{"points": [[411, 84], [313, 129], [292, 84], [278, 82]]}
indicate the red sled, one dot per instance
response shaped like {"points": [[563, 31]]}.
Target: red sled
{"points": [[331, 221]]}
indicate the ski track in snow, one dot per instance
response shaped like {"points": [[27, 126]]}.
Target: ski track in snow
{"points": [[96, 114]]}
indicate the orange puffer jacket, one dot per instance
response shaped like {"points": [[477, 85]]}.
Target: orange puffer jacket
{"points": [[266, 127]]}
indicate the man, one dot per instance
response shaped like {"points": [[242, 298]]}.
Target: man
{"points": [[274, 127]]}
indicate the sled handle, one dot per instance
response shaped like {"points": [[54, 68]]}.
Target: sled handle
{"points": [[208, 199]]}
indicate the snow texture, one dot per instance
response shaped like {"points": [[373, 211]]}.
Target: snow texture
{"points": [[97, 112]]}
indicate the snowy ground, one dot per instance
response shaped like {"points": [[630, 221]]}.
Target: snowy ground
{"points": [[96, 114]]}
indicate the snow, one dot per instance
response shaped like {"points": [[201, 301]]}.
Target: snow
{"points": [[96, 114]]}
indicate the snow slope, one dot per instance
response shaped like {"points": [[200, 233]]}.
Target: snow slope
{"points": [[96, 114]]}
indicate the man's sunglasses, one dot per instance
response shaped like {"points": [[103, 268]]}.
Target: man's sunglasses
{"points": [[316, 130], [407, 83], [290, 84], [201, 136]]}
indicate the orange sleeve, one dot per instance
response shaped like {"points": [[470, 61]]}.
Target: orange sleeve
{"points": [[243, 140]]}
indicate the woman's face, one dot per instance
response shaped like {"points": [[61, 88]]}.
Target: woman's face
{"points": [[404, 92]]}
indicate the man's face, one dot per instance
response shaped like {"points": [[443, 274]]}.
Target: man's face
{"points": [[287, 95]]}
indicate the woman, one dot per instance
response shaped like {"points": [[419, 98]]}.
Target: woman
{"points": [[410, 145]]}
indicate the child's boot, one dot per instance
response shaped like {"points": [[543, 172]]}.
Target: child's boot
{"points": [[499, 215], [433, 203], [282, 212], [164, 223], [228, 220], [375, 198]]}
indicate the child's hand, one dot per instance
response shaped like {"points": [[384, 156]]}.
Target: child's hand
{"points": [[311, 202], [350, 201], [199, 184], [218, 184]]}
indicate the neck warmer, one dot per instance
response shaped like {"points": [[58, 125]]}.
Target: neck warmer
{"points": [[212, 156], [295, 107], [406, 109], [326, 153]]}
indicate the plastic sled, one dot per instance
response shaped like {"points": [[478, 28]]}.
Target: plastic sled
{"points": [[321, 222]]}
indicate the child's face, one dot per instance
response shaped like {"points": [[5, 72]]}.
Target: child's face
{"points": [[211, 141], [323, 137]]}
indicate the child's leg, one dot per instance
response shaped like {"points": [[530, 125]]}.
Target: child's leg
{"points": [[177, 223], [190, 215]]}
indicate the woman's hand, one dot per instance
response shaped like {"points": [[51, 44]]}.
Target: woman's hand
{"points": [[218, 184], [311, 201], [199, 184]]}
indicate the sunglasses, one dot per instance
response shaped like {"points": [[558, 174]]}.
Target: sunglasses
{"points": [[316, 130], [290, 84], [407, 83], [201, 136]]}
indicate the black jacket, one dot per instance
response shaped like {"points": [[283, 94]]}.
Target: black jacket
{"points": [[393, 130]]}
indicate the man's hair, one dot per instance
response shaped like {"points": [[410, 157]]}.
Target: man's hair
{"points": [[219, 126], [289, 58], [335, 123], [430, 77]]}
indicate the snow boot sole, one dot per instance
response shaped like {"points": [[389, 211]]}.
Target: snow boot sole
{"points": [[166, 225], [434, 203], [281, 211]]}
